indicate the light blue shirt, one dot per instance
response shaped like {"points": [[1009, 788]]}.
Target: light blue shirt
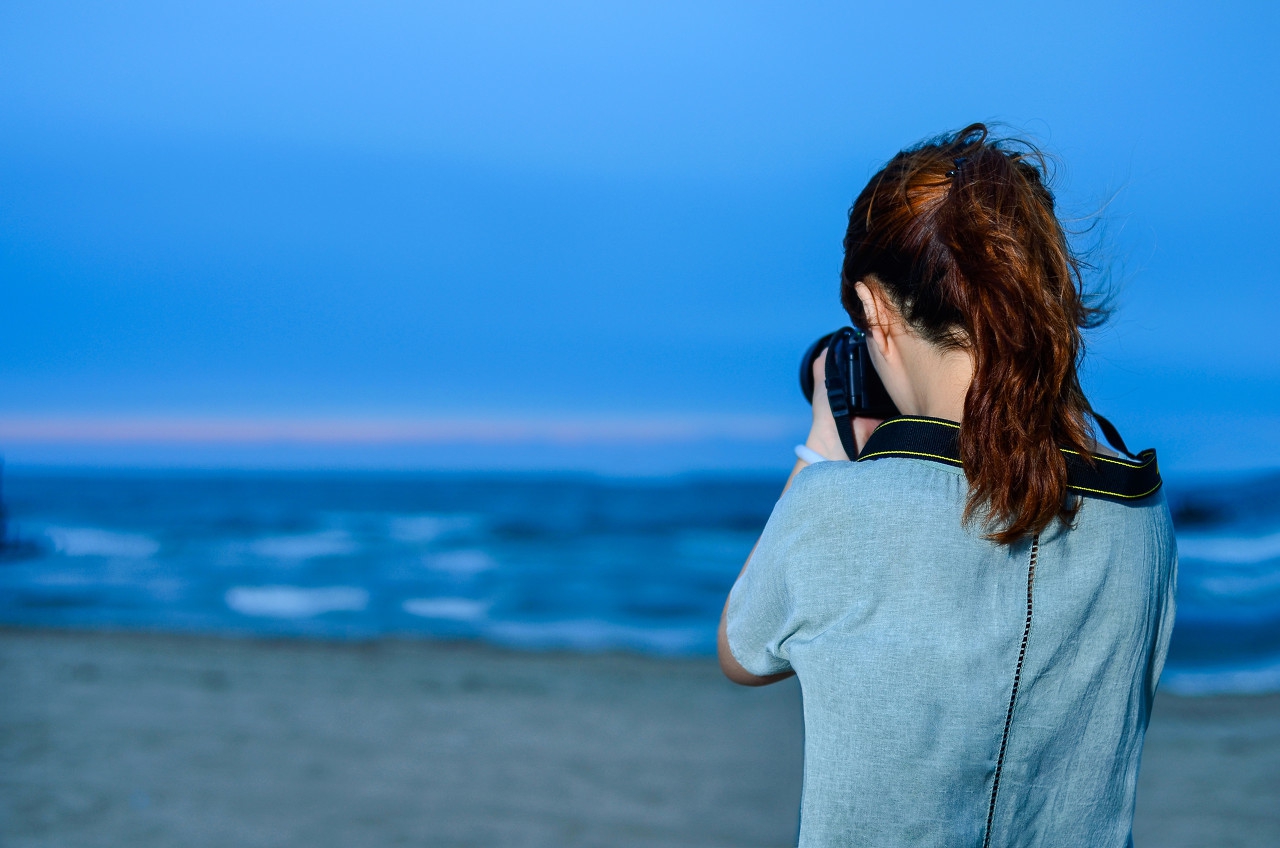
{"points": [[907, 631]]}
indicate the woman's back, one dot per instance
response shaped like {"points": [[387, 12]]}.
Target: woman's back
{"points": [[977, 610], [909, 632]]}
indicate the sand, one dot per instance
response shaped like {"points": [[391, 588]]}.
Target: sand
{"points": [[150, 740]]}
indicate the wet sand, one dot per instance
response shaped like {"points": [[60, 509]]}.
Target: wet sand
{"points": [[143, 740]]}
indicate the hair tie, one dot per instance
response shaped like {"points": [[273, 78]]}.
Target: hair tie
{"points": [[958, 161]]}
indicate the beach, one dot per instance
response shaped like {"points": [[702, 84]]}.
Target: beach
{"points": [[136, 739]]}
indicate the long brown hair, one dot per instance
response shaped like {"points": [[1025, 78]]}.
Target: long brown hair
{"points": [[960, 232]]}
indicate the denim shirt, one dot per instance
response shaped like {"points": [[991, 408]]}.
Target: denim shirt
{"points": [[958, 692]]}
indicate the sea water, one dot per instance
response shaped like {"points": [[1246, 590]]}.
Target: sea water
{"points": [[535, 562]]}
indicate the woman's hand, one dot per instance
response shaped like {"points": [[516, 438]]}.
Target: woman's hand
{"points": [[823, 436]]}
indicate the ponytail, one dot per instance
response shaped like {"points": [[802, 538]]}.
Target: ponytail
{"points": [[961, 234]]}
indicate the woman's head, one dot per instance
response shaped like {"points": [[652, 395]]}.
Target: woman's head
{"points": [[960, 237]]}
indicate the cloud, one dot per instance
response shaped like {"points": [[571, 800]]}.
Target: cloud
{"points": [[424, 431]]}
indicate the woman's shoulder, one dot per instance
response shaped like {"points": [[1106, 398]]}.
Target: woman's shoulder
{"points": [[875, 479], [1145, 522], [885, 492]]}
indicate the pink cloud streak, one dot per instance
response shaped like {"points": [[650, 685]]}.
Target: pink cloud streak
{"points": [[247, 431]]}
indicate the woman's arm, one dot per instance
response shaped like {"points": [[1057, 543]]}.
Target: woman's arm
{"points": [[733, 669], [728, 662], [825, 439]]}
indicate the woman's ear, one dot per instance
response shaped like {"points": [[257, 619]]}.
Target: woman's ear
{"points": [[876, 311]]}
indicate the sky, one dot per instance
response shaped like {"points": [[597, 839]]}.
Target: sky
{"points": [[585, 235]]}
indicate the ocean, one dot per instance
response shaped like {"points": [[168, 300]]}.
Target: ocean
{"points": [[576, 563]]}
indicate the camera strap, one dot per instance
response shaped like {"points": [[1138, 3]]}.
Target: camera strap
{"points": [[853, 388], [838, 396], [1110, 478]]}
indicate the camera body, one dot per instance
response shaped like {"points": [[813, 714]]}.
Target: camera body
{"points": [[853, 387]]}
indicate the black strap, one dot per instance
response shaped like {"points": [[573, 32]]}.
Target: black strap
{"points": [[1112, 435], [838, 397], [934, 439]]}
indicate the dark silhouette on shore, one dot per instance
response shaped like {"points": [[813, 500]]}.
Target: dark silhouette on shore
{"points": [[13, 547]]}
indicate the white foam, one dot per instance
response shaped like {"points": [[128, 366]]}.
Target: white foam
{"points": [[90, 541], [453, 609], [1251, 680], [599, 635], [462, 563], [295, 601], [305, 546], [412, 529], [715, 547], [1240, 585], [1236, 549]]}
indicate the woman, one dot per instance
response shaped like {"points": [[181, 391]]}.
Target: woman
{"points": [[977, 609]]}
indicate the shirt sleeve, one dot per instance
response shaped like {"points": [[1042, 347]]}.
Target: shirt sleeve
{"points": [[761, 612]]}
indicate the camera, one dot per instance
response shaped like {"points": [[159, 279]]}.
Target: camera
{"points": [[853, 386]]}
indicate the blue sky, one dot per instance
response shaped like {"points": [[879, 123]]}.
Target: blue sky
{"points": [[582, 234]]}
